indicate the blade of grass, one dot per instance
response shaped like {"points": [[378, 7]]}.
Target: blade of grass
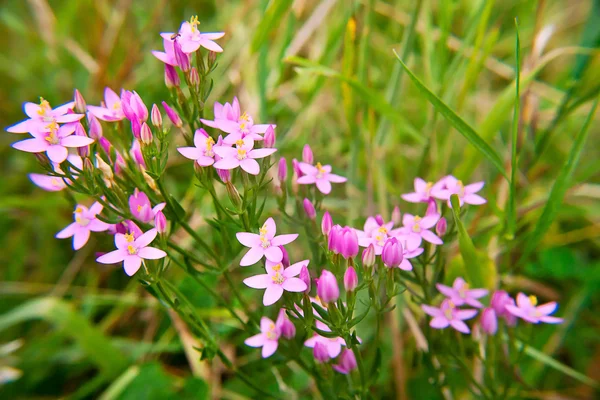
{"points": [[511, 217], [269, 22], [560, 186], [458, 123]]}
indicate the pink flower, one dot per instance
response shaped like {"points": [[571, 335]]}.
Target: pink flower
{"points": [[277, 280], [320, 175], [267, 338], [132, 251], [202, 152], [449, 315], [85, 222], [112, 110], [229, 119], [40, 115], [489, 321], [424, 191], [134, 108], [392, 254], [327, 287], [167, 56], [55, 183], [460, 294], [191, 38], [333, 345], [528, 310], [286, 327], [53, 140], [407, 254], [136, 153], [243, 155], [264, 244], [415, 229], [375, 233], [466, 194], [501, 299], [346, 362], [141, 208]]}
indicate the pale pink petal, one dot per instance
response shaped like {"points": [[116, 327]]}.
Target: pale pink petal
{"points": [[258, 281], [282, 240], [76, 141], [31, 145], [465, 314], [523, 301], [255, 341], [261, 153], [294, 269], [445, 290], [474, 199], [252, 256], [49, 183], [212, 35], [308, 169], [192, 153], [112, 257], [420, 185], [412, 197], [210, 45], [460, 326], [548, 308], [551, 320], [151, 253], [477, 293], [335, 178], [110, 97], [31, 109], [272, 294], [408, 219], [262, 128], [306, 179], [210, 123], [429, 221], [225, 152], [227, 163], [474, 187], [120, 241], [250, 166], [21, 127], [406, 265], [271, 228], [324, 186], [431, 237], [334, 349], [57, 153], [68, 231], [274, 254], [433, 311], [228, 126], [68, 118], [413, 241], [132, 264], [97, 226], [311, 342], [205, 161], [248, 239], [294, 285], [66, 130], [80, 238], [269, 348], [189, 47], [439, 323], [146, 238]]}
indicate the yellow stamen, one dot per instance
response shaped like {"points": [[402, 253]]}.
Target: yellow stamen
{"points": [[209, 143], [278, 278], [383, 229], [277, 267], [245, 117], [416, 228], [139, 208], [194, 22], [131, 250], [533, 300], [117, 105], [241, 154], [239, 143], [129, 237], [44, 106]]}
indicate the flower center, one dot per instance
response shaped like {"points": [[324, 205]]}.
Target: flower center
{"points": [[416, 228], [277, 267], [129, 237], [461, 188], [209, 145], [533, 300], [383, 229], [320, 169], [244, 122], [79, 217], [449, 312], [264, 242], [241, 154], [194, 23], [380, 240], [52, 136], [278, 278], [462, 292], [131, 250], [116, 106], [44, 107], [428, 189], [270, 333]]}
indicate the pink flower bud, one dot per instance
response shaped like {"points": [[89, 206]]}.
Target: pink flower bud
{"points": [[309, 209], [431, 208], [305, 277], [379, 219], [500, 299], [120, 163], [346, 362], [333, 239], [95, 130], [296, 168], [326, 223], [83, 151], [269, 138], [392, 253], [282, 170], [307, 154], [224, 174], [183, 60], [327, 287], [441, 227], [105, 144], [320, 353], [155, 116], [136, 128], [350, 279], [172, 114], [146, 134], [160, 222], [489, 321], [136, 154], [396, 216], [140, 109], [284, 325], [212, 58], [194, 77], [171, 77], [368, 256], [80, 105], [285, 261], [348, 242]]}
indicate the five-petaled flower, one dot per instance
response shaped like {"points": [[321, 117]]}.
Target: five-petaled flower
{"points": [[267, 338], [320, 175], [191, 38], [416, 228], [424, 191], [85, 222], [40, 115], [466, 193], [278, 279], [141, 208], [111, 110], [448, 315], [528, 310], [264, 244], [132, 251], [242, 155], [460, 294], [376, 232], [203, 150]]}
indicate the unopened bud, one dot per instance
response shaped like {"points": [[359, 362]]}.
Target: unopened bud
{"points": [[160, 222], [83, 151], [183, 60], [80, 105], [95, 130], [269, 138], [155, 116], [173, 116], [282, 170], [224, 174], [441, 227], [309, 209], [396, 216], [234, 195], [104, 168], [171, 77], [305, 277], [212, 58], [307, 154], [146, 134], [350, 279], [368, 256], [194, 78]]}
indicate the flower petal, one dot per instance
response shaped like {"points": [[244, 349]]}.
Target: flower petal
{"points": [[248, 239], [151, 253], [112, 257], [80, 238], [76, 141], [336, 178], [252, 256], [132, 264], [250, 166], [431, 237], [192, 153], [146, 238], [255, 341], [272, 294], [68, 231], [274, 254], [57, 153], [460, 326], [324, 186], [294, 285], [294, 269], [306, 179], [282, 240], [439, 323], [227, 163], [269, 348], [465, 314], [474, 199], [261, 153], [33, 145], [258, 281]]}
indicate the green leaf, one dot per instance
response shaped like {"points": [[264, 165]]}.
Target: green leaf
{"points": [[562, 183], [375, 99], [511, 211], [458, 123], [269, 22], [61, 314]]}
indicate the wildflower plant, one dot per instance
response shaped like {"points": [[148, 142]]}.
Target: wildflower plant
{"points": [[114, 158]]}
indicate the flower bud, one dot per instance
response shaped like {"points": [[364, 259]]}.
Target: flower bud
{"points": [[320, 353], [224, 174], [431, 208], [212, 58], [95, 130], [327, 287], [139, 107], [309, 209], [171, 77], [392, 253], [146, 134], [307, 154], [305, 277], [104, 167], [368, 256], [285, 261], [396, 216], [379, 220], [500, 299], [350, 279], [120, 163], [83, 151], [136, 128], [282, 170], [285, 326], [105, 144], [234, 195], [346, 362], [136, 154], [326, 223], [489, 321], [194, 78], [80, 105], [172, 114], [160, 222], [87, 165], [155, 116], [333, 239], [183, 60], [269, 138], [348, 242], [296, 168], [441, 227]]}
